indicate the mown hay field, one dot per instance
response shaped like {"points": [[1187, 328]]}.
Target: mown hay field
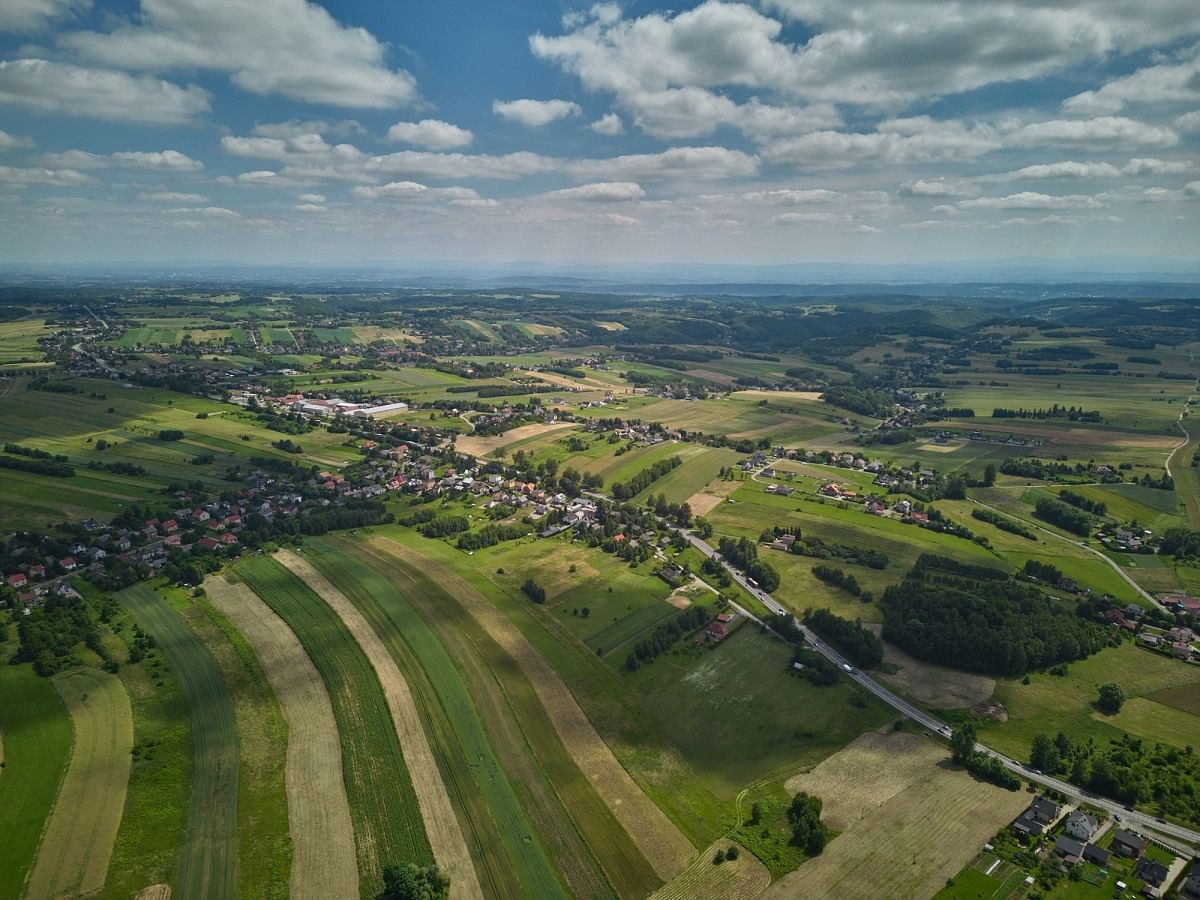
{"points": [[908, 820], [78, 842], [734, 879], [264, 843], [586, 841], [661, 841]]}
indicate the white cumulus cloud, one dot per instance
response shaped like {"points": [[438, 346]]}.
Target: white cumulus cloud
{"points": [[535, 113], [432, 134]]}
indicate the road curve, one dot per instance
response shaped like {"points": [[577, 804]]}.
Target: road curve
{"points": [[1180, 839]]}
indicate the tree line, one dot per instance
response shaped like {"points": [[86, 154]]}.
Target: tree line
{"points": [[666, 635], [861, 645], [645, 478], [1004, 523], [743, 553]]}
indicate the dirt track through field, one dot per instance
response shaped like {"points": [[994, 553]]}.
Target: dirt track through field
{"points": [[441, 825], [78, 843], [663, 844], [323, 860]]}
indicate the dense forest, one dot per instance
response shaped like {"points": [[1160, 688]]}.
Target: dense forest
{"points": [[966, 617]]}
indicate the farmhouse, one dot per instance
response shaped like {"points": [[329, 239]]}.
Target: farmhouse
{"points": [[17, 580], [716, 632]]}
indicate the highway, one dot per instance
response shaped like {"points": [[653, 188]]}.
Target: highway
{"points": [[1182, 840]]}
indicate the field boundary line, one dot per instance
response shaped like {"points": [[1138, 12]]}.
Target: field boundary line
{"points": [[666, 848], [323, 854], [441, 824]]}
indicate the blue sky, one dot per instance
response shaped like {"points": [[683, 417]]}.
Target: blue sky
{"points": [[769, 131]]}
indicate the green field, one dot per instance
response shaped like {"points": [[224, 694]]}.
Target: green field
{"points": [[383, 807], [207, 863], [37, 745], [759, 718], [485, 795], [585, 840], [153, 827], [1050, 703], [264, 842]]}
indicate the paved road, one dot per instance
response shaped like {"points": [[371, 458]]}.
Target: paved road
{"points": [[1080, 544], [1182, 840]]}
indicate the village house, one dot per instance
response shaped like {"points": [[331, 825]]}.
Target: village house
{"points": [[1068, 849], [1080, 825], [1129, 844]]}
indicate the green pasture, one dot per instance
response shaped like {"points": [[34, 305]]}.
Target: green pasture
{"points": [[36, 731], [207, 863]]}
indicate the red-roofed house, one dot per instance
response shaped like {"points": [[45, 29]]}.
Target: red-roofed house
{"points": [[228, 538], [68, 563], [17, 580], [37, 571], [716, 632], [208, 543], [170, 526]]}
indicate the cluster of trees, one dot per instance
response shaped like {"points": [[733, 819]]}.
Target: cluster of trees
{"points": [[1058, 352], [820, 549], [743, 553], [287, 445], [857, 643], [285, 423], [37, 467], [664, 637], [978, 619], [533, 591], [1004, 523], [963, 752], [47, 637], [412, 882], [645, 478], [808, 831], [840, 578], [1180, 542], [1129, 770], [490, 535], [170, 434], [1046, 572], [117, 468], [1163, 483], [1066, 517], [679, 513], [448, 525], [1095, 507], [864, 401]]}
